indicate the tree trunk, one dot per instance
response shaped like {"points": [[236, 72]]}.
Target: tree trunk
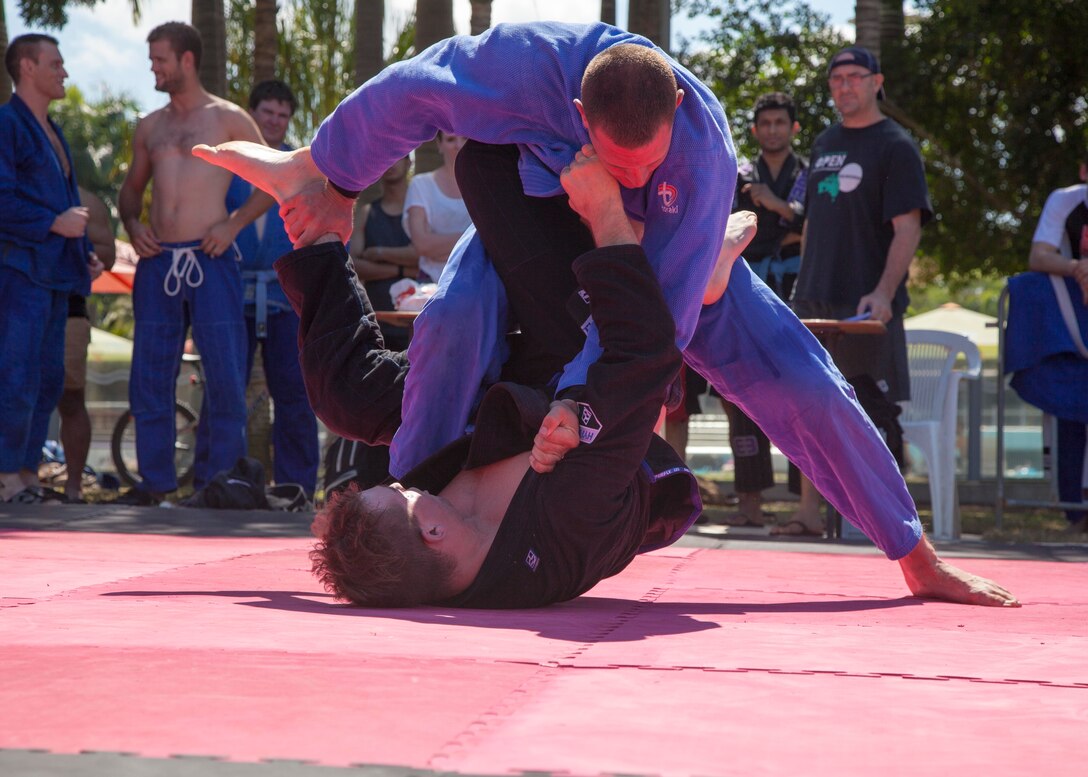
{"points": [[480, 19], [265, 40], [867, 24], [651, 19], [608, 12], [210, 20], [369, 40], [5, 82], [434, 22]]}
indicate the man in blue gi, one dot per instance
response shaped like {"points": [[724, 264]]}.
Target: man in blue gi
{"points": [[45, 256], [270, 321], [188, 271], [542, 92], [545, 498]]}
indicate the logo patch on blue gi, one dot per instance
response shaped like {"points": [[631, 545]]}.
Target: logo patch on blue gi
{"points": [[589, 426], [668, 194], [532, 560]]}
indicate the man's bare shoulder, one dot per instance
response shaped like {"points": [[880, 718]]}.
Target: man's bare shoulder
{"points": [[234, 118]]}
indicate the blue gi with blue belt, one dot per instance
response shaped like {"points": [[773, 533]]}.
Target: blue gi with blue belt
{"points": [[183, 286], [273, 324], [514, 85], [39, 269], [1048, 370]]}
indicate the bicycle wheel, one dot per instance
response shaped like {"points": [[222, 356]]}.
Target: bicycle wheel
{"points": [[123, 446]]}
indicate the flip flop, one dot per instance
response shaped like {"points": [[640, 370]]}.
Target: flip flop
{"points": [[802, 530], [740, 520]]}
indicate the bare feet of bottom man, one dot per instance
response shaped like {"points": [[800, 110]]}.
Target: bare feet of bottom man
{"points": [[739, 231]]}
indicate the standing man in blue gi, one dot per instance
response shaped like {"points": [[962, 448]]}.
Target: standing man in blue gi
{"points": [[270, 321], [45, 256], [538, 94], [189, 267]]}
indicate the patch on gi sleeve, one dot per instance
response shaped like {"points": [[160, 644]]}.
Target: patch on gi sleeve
{"points": [[589, 426], [532, 560]]}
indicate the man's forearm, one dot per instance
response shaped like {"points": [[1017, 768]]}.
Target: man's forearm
{"points": [[900, 255]]}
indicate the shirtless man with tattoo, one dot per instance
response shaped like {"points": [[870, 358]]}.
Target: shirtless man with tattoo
{"points": [[189, 271]]}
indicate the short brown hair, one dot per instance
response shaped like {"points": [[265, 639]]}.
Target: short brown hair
{"points": [[24, 47], [629, 91], [272, 89], [182, 37], [377, 560]]}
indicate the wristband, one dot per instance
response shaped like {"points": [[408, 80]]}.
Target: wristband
{"points": [[344, 192]]}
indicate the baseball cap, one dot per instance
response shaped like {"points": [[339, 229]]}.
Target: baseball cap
{"points": [[856, 55]]}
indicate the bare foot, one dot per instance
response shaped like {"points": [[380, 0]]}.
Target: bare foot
{"points": [[930, 577], [309, 206], [739, 232], [283, 174]]}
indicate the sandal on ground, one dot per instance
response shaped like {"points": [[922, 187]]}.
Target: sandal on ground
{"points": [[740, 520], [795, 528], [36, 495]]}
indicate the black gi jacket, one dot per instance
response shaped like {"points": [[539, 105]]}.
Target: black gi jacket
{"points": [[620, 492]]}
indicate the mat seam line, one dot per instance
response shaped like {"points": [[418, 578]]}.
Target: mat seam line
{"points": [[547, 671]]}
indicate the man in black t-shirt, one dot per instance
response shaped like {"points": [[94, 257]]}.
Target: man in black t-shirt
{"points": [[865, 207], [543, 500]]}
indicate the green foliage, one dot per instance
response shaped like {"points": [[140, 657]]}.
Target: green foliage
{"points": [[53, 14], [1001, 87], [100, 136], [316, 56], [756, 46], [994, 91], [317, 51]]}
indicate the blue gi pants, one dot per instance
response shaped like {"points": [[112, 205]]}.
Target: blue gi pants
{"points": [[296, 452], [32, 324], [180, 287], [1071, 440]]}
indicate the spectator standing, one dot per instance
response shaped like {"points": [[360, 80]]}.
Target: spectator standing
{"points": [[44, 258], [866, 204], [75, 422], [188, 273], [1060, 247], [270, 321], [772, 186], [380, 249], [435, 216]]}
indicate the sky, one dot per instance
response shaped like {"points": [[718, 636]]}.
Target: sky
{"points": [[104, 51]]}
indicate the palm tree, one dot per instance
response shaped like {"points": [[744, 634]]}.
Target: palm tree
{"points": [[867, 24], [650, 18], [608, 11], [5, 82], [480, 19], [265, 40], [369, 41], [209, 19], [434, 22]]}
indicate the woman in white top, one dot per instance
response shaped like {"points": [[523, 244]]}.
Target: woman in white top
{"points": [[434, 213]]}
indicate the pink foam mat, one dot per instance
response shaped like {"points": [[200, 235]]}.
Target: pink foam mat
{"points": [[693, 661]]}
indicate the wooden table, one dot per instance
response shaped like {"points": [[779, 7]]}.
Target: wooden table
{"points": [[828, 331], [396, 317], [832, 328]]}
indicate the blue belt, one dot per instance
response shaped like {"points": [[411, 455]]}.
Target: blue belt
{"points": [[777, 266], [260, 279]]}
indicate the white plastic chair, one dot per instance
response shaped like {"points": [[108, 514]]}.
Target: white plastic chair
{"points": [[929, 419]]}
